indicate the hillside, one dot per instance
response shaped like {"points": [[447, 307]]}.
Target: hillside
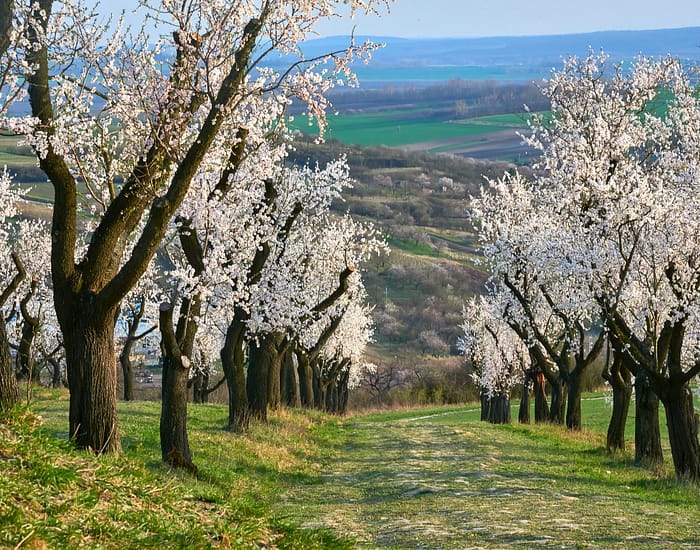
{"points": [[420, 201]]}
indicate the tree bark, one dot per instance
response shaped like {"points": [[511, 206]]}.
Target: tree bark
{"points": [[56, 378], [291, 392], [136, 315], [524, 409], [540, 391], [619, 378], [174, 443], [306, 379], [498, 409], [127, 370], [558, 402], [30, 328], [573, 408], [6, 13], [647, 433], [343, 392], [683, 432], [233, 363], [9, 390], [274, 374], [92, 377], [263, 353]]}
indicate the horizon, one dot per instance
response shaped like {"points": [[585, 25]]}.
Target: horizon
{"points": [[499, 18], [484, 37]]}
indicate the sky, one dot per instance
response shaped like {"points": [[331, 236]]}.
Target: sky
{"points": [[470, 18]]}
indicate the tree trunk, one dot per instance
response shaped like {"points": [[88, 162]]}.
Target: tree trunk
{"points": [[485, 404], [558, 404], [573, 408], [540, 391], [306, 380], [524, 409], [619, 378], [127, 371], [683, 431], [9, 390], [323, 396], [56, 378], [498, 409], [91, 366], [174, 443], [200, 387], [647, 434], [262, 355], [233, 362], [274, 375], [25, 355], [291, 393], [343, 391]]}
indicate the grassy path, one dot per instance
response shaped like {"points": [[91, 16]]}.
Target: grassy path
{"points": [[449, 481]]}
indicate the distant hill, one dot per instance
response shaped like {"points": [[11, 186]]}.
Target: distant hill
{"points": [[520, 58]]}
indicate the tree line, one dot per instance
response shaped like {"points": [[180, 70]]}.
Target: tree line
{"points": [[594, 258], [173, 207]]}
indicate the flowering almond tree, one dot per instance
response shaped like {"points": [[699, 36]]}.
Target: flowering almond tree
{"points": [[128, 122], [526, 248], [626, 148], [498, 355], [615, 193]]}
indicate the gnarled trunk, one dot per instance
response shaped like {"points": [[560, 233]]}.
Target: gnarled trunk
{"points": [[263, 353], [291, 393], [174, 442], [619, 378], [647, 434], [306, 380], [233, 362], [683, 431], [91, 366]]}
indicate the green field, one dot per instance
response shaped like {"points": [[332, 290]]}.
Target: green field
{"points": [[394, 128], [420, 478]]}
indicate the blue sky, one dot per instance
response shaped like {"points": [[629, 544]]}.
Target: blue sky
{"points": [[430, 18], [468, 18]]}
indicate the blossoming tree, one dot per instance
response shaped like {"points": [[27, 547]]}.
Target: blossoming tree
{"points": [[128, 121]]}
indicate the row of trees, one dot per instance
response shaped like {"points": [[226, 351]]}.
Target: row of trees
{"points": [[596, 256], [178, 146]]}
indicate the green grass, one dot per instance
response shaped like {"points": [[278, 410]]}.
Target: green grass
{"points": [[439, 478], [52, 496], [420, 478]]}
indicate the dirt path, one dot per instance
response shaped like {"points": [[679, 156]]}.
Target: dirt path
{"points": [[437, 481]]}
